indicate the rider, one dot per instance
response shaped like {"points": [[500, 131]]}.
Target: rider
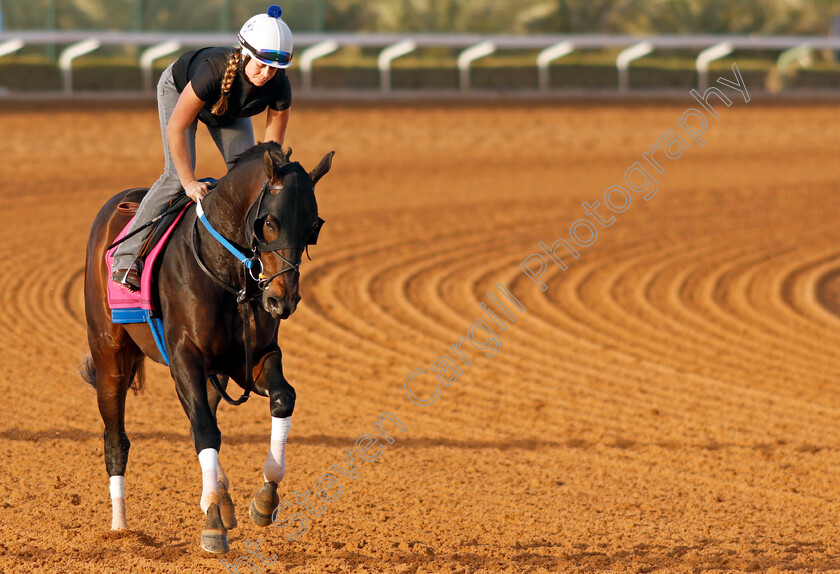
{"points": [[222, 87]]}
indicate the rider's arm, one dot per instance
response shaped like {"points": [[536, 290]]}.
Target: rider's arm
{"points": [[183, 115], [275, 125]]}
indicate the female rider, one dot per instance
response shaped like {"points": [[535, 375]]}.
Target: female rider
{"points": [[222, 87]]}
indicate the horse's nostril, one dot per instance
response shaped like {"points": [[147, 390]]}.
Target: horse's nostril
{"points": [[278, 307]]}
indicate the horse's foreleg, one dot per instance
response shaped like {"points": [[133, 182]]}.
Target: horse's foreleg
{"points": [[282, 397], [190, 385], [226, 507]]}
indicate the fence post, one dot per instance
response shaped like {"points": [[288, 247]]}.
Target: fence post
{"points": [[311, 54], [626, 56], [705, 58], [470, 55], [801, 56], [10, 46], [390, 53], [547, 56], [151, 54], [70, 53]]}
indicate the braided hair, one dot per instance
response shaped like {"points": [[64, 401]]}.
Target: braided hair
{"points": [[221, 106]]}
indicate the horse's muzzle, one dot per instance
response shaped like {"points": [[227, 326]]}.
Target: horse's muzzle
{"points": [[280, 307]]}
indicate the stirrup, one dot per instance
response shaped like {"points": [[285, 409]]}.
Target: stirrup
{"points": [[129, 277]]}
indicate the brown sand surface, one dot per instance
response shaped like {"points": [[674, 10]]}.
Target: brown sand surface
{"points": [[670, 403]]}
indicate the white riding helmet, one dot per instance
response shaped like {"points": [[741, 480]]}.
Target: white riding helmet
{"points": [[267, 38]]}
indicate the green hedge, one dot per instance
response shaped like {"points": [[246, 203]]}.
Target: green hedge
{"points": [[123, 75]]}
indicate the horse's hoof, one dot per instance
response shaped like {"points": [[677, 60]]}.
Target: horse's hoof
{"points": [[214, 536], [264, 503], [226, 507]]}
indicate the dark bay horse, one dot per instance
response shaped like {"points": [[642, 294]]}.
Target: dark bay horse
{"points": [[220, 320]]}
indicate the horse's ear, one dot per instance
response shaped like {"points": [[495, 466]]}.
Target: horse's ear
{"points": [[322, 168], [268, 162]]}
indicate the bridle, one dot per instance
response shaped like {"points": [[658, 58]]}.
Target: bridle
{"points": [[252, 266], [264, 282]]}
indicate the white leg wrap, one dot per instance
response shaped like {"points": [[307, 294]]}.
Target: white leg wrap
{"points": [[275, 462], [117, 488], [209, 459]]}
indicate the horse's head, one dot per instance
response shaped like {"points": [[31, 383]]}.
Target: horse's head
{"points": [[281, 223]]}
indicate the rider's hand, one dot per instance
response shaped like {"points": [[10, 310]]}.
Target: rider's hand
{"points": [[196, 190]]}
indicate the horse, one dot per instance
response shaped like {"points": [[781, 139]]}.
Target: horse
{"points": [[220, 317]]}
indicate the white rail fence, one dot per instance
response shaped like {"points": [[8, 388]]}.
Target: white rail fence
{"points": [[795, 50]]}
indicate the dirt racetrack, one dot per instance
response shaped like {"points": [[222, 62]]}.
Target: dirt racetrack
{"points": [[670, 403]]}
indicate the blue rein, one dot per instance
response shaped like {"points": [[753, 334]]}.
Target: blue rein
{"points": [[248, 262]]}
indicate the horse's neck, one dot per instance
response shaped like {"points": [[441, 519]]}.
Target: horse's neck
{"points": [[227, 206]]}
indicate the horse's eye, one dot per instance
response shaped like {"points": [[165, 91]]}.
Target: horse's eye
{"points": [[268, 224]]}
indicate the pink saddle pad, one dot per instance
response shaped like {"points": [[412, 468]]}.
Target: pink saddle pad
{"points": [[121, 298]]}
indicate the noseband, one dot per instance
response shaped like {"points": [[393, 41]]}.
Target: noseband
{"points": [[262, 281]]}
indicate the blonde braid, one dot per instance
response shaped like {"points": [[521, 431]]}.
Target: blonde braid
{"points": [[227, 83]]}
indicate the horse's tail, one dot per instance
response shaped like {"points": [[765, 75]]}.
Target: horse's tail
{"points": [[87, 370], [138, 376]]}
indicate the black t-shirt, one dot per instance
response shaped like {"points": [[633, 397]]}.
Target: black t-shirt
{"points": [[205, 68]]}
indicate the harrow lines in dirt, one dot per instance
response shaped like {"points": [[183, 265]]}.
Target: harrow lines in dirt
{"points": [[670, 403]]}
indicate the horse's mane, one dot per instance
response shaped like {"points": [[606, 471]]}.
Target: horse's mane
{"points": [[280, 154]]}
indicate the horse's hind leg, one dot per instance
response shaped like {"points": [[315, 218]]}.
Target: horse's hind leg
{"points": [[225, 501], [113, 378]]}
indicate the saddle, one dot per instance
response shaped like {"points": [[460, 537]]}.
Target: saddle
{"points": [[141, 306]]}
